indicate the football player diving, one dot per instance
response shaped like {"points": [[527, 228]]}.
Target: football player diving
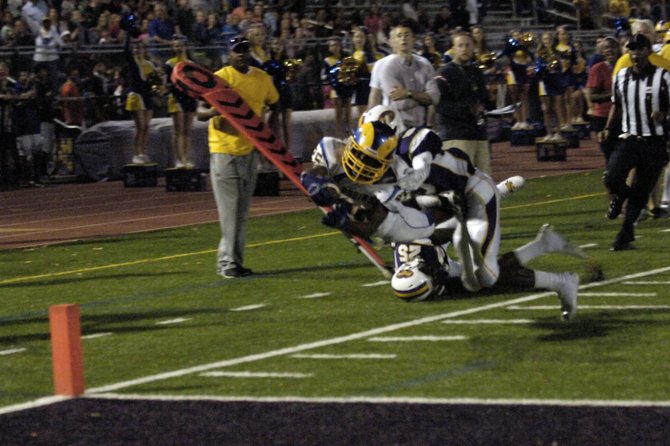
{"points": [[451, 200]]}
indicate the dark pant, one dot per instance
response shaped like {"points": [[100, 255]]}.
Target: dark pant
{"points": [[597, 125], [647, 155]]}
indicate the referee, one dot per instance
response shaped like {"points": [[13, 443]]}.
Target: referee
{"points": [[641, 99]]}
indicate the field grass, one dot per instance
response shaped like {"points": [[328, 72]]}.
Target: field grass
{"points": [[160, 307]]}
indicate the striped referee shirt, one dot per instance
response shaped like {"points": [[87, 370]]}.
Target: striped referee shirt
{"points": [[638, 95]]}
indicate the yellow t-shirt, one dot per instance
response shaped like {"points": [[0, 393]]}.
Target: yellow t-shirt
{"points": [[257, 90]]}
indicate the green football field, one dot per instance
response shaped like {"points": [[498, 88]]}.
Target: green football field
{"points": [[318, 321]]}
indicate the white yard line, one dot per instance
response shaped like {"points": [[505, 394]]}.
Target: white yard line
{"points": [[418, 338], [618, 294], [386, 400], [314, 295], [97, 335], [373, 284], [178, 320], [219, 374], [488, 321], [647, 282], [12, 351], [591, 307], [346, 356], [248, 307]]}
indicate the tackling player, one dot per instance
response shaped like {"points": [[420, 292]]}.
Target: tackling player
{"points": [[458, 188]]}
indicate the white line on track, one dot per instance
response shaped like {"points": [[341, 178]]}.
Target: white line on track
{"points": [[346, 356], [647, 282], [177, 320], [248, 307], [218, 374], [380, 283], [12, 351], [314, 295], [488, 321], [356, 336], [386, 400], [617, 294], [418, 338], [592, 307], [97, 335]]}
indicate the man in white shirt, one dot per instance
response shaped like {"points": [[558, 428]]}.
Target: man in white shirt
{"points": [[404, 80]]}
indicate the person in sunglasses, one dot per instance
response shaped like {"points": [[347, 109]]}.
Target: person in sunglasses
{"points": [[233, 158]]}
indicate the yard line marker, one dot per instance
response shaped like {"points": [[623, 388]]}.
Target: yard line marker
{"points": [[97, 335], [12, 351], [380, 283], [588, 245], [665, 230], [593, 307], [314, 295], [385, 400], [647, 282], [618, 294], [356, 336], [418, 338], [177, 320], [218, 374], [488, 321], [346, 356], [248, 307]]}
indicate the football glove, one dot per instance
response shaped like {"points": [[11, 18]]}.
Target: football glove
{"points": [[321, 190], [338, 217]]}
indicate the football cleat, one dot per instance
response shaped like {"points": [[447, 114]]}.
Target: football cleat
{"points": [[510, 185], [552, 241], [567, 293]]}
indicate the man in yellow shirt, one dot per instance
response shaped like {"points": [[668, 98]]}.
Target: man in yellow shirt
{"points": [[233, 158]]}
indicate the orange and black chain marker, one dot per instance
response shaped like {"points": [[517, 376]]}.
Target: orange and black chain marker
{"points": [[200, 83]]}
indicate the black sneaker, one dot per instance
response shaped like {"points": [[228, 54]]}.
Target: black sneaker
{"points": [[620, 245], [231, 273], [660, 212], [615, 206], [245, 271]]}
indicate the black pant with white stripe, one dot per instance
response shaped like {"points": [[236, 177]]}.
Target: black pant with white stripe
{"points": [[648, 156]]}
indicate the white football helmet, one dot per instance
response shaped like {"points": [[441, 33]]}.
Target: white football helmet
{"points": [[386, 114], [411, 284]]}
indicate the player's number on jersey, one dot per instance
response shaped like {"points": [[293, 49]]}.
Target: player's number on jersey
{"points": [[406, 253]]}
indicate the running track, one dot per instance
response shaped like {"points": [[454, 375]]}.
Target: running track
{"points": [[61, 213]]}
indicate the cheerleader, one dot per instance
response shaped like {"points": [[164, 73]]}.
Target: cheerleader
{"points": [[567, 79], [551, 88], [181, 106], [519, 52], [337, 92], [366, 58], [139, 101], [282, 69]]}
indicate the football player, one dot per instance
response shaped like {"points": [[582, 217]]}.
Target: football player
{"points": [[463, 191]]}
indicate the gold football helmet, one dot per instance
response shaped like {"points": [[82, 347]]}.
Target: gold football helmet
{"points": [[369, 152]]}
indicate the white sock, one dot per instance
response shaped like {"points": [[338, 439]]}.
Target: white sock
{"points": [[666, 187], [529, 251], [547, 281]]}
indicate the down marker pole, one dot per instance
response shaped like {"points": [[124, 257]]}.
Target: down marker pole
{"points": [[67, 357]]}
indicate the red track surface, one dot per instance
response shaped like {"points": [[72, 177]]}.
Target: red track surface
{"points": [[68, 212]]}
